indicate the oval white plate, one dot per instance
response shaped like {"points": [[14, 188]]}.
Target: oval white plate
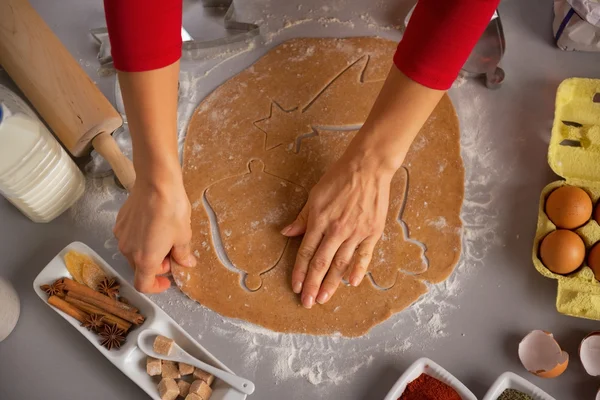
{"points": [[129, 359], [509, 380], [426, 366]]}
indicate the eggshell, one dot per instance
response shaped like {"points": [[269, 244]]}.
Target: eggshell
{"points": [[589, 353], [562, 251], [541, 355], [569, 207], [593, 260]]}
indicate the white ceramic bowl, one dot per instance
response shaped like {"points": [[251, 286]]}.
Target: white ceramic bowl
{"points": [[509, 380], [129, 359], [426, 366]]}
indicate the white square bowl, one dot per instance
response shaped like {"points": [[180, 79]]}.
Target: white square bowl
{"points": [[509, 380], [426, 366], [129, 359]]}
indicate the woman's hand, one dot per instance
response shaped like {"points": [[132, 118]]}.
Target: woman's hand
{"points": [[346, 211], [154, 222], [152, 225], [343, 220]]}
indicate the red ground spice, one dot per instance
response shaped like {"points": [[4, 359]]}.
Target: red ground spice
{"points": [[426, 387]]}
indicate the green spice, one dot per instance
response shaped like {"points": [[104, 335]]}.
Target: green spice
{"points": [[512, 394]]}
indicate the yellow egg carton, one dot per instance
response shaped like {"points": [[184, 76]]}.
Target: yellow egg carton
{"points": [[574, 153]]}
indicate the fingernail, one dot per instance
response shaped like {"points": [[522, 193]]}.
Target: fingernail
{"points": [[355, 281], [286, 230], [191, 261], [297, 287], [308, 301], [322, 297]]}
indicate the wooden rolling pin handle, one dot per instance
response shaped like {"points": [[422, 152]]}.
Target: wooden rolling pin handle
{"points": [[122, 166]]}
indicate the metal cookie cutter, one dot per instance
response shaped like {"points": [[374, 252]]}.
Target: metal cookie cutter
{"points": [[248, 31], [488, 52], [486, 55]]}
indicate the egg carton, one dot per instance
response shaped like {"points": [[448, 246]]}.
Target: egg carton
{"points": [[574, 154]]}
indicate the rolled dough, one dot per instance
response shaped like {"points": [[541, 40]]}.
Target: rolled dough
{"points": [[258, 144]]}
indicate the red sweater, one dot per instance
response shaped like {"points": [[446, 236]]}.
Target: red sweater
{"points": [[146, 34]]}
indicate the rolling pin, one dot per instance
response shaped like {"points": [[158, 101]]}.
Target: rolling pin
{"points": [[61, 92]]}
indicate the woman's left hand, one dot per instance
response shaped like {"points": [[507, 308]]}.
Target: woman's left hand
{"points": [[342, 221]]}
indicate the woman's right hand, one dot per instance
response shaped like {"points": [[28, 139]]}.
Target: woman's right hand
{"points": [[152, 226], [154, 223]]}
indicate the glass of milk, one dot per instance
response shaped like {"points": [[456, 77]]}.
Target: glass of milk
{"points": [[9, 308], [36, 173]]}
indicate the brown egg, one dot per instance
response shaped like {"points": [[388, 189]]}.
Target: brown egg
{"points": [[562, 251], [569, 207], [593, 260]]}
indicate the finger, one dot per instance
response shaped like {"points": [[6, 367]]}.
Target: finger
{"points": [[362, 259], [165, 266], [298, 227], [318, 267], [307, 250], [130, 262], [182, 254], [148, 282], [339, 267]]}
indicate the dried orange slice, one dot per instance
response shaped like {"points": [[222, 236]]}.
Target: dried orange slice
{"points": [[83, 269]]}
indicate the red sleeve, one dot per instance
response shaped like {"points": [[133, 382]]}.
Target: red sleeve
{"points": [[144, 34], [439, 38]]}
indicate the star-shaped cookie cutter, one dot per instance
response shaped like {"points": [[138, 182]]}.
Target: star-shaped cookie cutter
{"points": [[249, 30]]}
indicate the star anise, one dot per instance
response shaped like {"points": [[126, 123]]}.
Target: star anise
{"points": [[93, 322], [56, 289], [109, 287], [112, 337]]}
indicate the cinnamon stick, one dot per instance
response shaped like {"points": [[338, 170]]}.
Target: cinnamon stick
{"points": [[67, 308], [71, 285], [132, 317], [91, 309], [90, 296], [125, 301]]}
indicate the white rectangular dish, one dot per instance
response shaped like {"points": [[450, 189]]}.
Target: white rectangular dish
{"points": [[426, 366], [509, 380], [129, 359]]}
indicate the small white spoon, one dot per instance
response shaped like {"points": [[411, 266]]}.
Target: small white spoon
{"points": [[145, 343]]}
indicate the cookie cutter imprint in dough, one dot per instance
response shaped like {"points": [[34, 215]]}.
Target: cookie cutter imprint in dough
{"points": [[230, 257], [255, 227]]}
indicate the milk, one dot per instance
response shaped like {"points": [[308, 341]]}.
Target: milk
{"points": [[36, 173], [9, 308]]}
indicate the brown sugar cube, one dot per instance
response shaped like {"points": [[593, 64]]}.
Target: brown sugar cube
{"points": [[153, 366], [201, 389], [185, 369], [184, 388], [168, 389], [193, 396], [170, 370], [163, 345], [204, 376]]}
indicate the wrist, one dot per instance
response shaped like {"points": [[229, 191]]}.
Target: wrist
{"points": [[158, 173], [371, 153], [367, 160]]}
